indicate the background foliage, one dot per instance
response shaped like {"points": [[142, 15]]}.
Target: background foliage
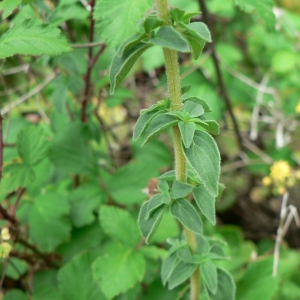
{"points": [[73, 180]]}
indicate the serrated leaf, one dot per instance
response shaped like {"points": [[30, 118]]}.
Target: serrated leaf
{"points": [[181, 273], [199, 101], [149, 226], [79, 287], [49, 225], [180, 189], [197, 34], [168, 265], [124, 60], [168, 37], [113, 30], [208, 272], [226, 287], [32, 144], [32, 37], [8, 6], [154, 203], [205, 202], [118, 270], [187, 131], [263, 9], [142, 123], [194, 109], [184, 211], [159, 124], [120, 225], [204, 158]]}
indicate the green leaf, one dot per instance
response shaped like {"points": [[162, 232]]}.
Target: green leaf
{"points": [[158, 124], [208, 272], [32, 144], [46, 292], [70, 151], [180, 189], [163, 186], [113, 30], [197, 100], [202, 245], [226, 287], [187, 131], [118, 270], [184, 211], [177, 14], [168, 265], [80, 286], [48, 221], [143, 122], [252, 286], [194, 109], [197, 34], [204, 158], [263, 9], [151, 22], [14, 294], [31, 37], [211, 126], [181, 273], [185, 89], [168, 37], [15, 176], [153, 252], [154, 203], [205, 202], [8, 6], [120, 225], [184, 254], [124, 60], [149, 226]]}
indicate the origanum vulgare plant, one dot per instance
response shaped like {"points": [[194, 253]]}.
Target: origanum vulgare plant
{"points": [[189, 192]]}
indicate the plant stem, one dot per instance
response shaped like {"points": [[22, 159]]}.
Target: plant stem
{"points": [[173, 76]]}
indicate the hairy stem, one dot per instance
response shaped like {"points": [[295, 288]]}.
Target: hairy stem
{"points": [[173, 75]]}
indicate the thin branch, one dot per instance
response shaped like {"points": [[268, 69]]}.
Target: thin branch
{"points": [[7, 216], [28, 95], [223, 90], [22, 68]]}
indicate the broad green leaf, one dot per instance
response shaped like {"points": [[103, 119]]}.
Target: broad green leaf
{"points": [[75, 279], [158, 124], [205, 202], [194, 109], [149, 226], [70, 151], [204, 158], [16, 268], [124, 60], [15, 176], [8, 6], [252, 286], [184, 211], [120, 225], [199, 101], [84, 201], [177, 14], [226, 287], [32, 144], [181, 273], [180, 189], [208, 272], [187, 131], [262, 8], [14, 294], [48, 221], [46, 292], [142, 123], [113, 30], [118, 270], [197, 34], [168, 265], [284, 61], [168, 37], [31, 37], [153, 252], [154, 203]]}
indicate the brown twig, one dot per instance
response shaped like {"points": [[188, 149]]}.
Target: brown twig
{"points": [[223, 91], [6, 216]]}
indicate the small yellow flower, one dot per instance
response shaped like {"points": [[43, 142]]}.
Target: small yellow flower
{"points": [[281, 190], [5, 249], [297, 174], [266, 181], [5, 234], [297, 109], [280, 171]]}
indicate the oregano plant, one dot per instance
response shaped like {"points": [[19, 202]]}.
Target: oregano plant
{"points": [[189, 192]]}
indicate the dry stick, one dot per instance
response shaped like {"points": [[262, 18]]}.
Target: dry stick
{"points": [[173, 76], [223, 91]]}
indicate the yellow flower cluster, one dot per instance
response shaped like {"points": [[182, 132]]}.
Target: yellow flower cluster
{"points": [[281, 176]]}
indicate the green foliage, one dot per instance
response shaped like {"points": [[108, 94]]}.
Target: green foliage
{"points": [[7, 6]]}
